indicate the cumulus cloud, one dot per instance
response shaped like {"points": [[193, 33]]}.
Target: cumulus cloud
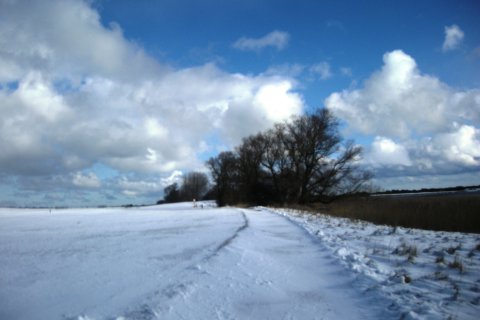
{"points": [[66, 39], [65, 107], [385, 151], [175, 177], [398, 101], [276, 39], [444, 159], [420, 125], [273, 102], [461, 145], [453, 37]]}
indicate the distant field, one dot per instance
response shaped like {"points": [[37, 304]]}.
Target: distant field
{"points": [[453, 211]]}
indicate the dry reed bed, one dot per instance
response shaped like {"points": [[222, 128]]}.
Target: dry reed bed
{"points": [[456, 212]]}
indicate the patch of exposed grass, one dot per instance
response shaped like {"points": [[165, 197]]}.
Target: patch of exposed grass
{"points": [[456, 264], [441, 276], [440, 259], [452, 250], [405, 249]]}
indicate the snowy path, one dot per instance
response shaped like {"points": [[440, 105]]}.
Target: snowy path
{"points": [[170, 262], [272, 270]]}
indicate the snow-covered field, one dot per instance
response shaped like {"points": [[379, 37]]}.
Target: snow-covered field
{"points": [[177, 262], [426, 274]]}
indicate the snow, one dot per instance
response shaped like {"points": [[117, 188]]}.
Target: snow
{"points": [[426, 274], [180, 262]]}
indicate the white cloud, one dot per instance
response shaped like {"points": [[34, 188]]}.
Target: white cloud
{"points": [[89, 180], [276, 39], [453, 37], [66, 38], [452, 153], [385, 151], [422, 126], [28, 121], [72, 106], [277, 102], [461, 146], [273, 102], [40, 98], [139, 187], [155, 129], [175, 177], [289, 70], [321, 69], [130, 193], [398, 101]]}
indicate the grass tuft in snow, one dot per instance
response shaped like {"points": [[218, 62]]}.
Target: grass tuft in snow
{"points": [[439, 275], [456, 264], [405, 249], [440, 259], [452, 250]]}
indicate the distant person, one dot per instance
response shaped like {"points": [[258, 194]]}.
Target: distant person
{"points": [[194, 203]]}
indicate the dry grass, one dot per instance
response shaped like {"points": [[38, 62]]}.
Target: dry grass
{"points": [[441, 212], [456, 264]]}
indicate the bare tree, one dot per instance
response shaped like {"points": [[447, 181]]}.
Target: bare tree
{"points": [[300, 161], [195, 185], [323, 165], [249, 158], [275, 160], [224, 170], [171, 193], [339, 176]]}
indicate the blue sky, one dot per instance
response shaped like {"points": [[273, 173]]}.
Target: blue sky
{"points": [[107, 102], [350, 33]]}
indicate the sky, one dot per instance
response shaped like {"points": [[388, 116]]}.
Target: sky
{"points": [[109, 101]]}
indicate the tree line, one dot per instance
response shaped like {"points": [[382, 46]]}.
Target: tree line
{"points": [[300, 161]]}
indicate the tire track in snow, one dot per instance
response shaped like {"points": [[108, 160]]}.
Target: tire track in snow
{"points": [[183, 287], [246, 224]]}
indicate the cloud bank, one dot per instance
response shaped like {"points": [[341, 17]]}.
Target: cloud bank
{"points": [[421, 125], [76, 94], [88, 116]]}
